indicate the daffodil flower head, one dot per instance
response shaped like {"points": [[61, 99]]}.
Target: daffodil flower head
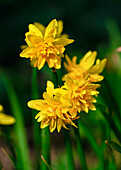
{"points": [[4, 118], [81, 93], [86, 65], [54, 111], [45, 44]]}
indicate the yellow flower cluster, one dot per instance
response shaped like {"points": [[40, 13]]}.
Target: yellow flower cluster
{"points": [[60, 106], [5, 119], [85, 66], [54, 110], [45, 44]]}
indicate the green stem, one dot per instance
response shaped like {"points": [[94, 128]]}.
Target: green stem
{"points": [[45, 148], [55, 77], [23, 159], [67, 141], [36, 128], [80, 149], [45, 138]]}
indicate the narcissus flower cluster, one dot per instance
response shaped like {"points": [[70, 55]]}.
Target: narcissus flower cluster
{"points": [[61, 106], [86, 65], [45, 44], [54, 109], [5, 119]]}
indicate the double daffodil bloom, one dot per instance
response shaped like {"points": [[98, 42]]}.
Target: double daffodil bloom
{"points": [[54, 111], [60, 105], [80, 93], [45, 44], [5, 119], [86, 65]]}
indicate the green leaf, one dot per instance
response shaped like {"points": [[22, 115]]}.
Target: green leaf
{"points": [[20, 134], [114, 145]]}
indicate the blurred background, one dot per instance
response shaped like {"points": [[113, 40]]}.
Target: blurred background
{"points": [[94, 25]]}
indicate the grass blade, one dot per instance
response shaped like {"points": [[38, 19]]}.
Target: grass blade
{"points": [[80, 149], [67, 141], [36, 128], [114, 145], [24, 159]]}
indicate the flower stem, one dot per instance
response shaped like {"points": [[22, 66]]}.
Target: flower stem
{"points": [[67, 140], [45, 138], [36, 129], [80, 149], [45, 148], [55, 77], [69, 152]]}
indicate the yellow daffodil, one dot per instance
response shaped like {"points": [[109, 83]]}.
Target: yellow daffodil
{"points": [[5, 119], [86, 65], [45, 44], [54, 111], [80, 93]]}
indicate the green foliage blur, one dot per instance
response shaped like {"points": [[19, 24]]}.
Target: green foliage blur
{"points": [[94, 25]]}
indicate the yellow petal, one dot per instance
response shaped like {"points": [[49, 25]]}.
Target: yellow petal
{"points": [[74, 59], [34, 40], [41, 117], [6, 119], [99, 66], [50, 87], [72, 123], [41, 61], [64, 36], [62, 41], [59, 27], [26, 39], [44, 123], [59, 113], [84, 107], [96, 77], [88, 60], [59, 124], [57, 66], [92, 100], [51, 29], [36, 104], [60, 49], [37, 115], [49, 99], [92, 86], [33, 28], [40, 27], [69, 65], [92, 107], [22, 47], [1, 108], [69, 82], [52, 125], [28, 52], [94, 92], [50, 62], [65, 127], [73, 113]]}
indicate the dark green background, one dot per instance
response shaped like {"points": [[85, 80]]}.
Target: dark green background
{"points": [[84, 21]]}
